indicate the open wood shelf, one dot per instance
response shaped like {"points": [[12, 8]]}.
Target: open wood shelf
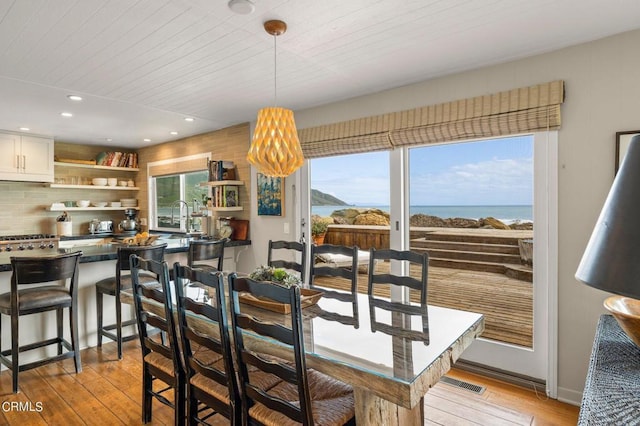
{"points": [[95, 166], [87, 209], [222, 183], [116, 188]]}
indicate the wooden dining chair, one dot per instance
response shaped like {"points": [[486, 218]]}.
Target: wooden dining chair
{"points": [[112, 286], [158, 339], [58, 289], [304, 395], [206, 250], [401, 313], [292, 249], [415, 261], [210, 375]]}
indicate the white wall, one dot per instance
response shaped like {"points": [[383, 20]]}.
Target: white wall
{"points": [[602, 97]]}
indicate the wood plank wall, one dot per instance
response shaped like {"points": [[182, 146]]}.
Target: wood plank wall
{"points": [[231, 143]]}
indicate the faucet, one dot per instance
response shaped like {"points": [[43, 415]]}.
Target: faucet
{"points": [[186, 206]]}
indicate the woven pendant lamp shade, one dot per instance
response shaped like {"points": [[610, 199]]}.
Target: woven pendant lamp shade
{"points": [[275, 148]]}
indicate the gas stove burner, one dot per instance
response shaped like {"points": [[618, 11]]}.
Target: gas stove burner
{"points": [[27, 237], [9, 243]]}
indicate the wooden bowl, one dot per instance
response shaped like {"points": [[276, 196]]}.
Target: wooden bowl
{"points": [[627, 312]]}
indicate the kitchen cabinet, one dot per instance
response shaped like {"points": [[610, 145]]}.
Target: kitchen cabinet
{"points": [[26, 158]]}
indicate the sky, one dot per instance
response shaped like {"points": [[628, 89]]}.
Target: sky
{"points": [[491, 172]]}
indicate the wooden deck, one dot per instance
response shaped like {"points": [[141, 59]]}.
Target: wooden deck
{"points": [[506, 303], [478, 270]]}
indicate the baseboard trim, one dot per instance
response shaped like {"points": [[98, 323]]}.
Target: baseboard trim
{"points": [[537, 385]]}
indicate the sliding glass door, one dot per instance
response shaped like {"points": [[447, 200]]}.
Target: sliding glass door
{"points": [[437, 196]]}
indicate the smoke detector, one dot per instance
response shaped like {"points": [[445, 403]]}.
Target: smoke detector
{"points": [[241, 7]]}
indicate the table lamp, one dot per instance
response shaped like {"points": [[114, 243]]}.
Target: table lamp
{"points": [[611, 261]]}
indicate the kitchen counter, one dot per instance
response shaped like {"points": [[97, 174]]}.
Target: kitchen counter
{"points": [[97, 248]]}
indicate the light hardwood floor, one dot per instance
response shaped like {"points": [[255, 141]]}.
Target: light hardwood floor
{"points": [[109, 392]]}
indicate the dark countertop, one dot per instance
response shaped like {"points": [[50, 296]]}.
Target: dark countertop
{"points": [[101, 252]]}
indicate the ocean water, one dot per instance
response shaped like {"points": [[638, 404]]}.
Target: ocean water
{"points": [[507, 214]]}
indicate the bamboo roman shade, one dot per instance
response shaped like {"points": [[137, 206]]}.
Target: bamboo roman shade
{"points": [[522, 110], [180, 165]]}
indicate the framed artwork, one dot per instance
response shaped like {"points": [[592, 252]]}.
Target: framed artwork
{"points": [[622, 144], [270, 195]]}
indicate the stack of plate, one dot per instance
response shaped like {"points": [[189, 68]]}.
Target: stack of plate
{"points": [[129, 202]]}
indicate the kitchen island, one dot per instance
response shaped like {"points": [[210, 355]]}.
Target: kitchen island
{"points": [[97, 262]]}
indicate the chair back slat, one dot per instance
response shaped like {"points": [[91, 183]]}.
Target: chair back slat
{"points": [[266, 328], [194, 341], [294, 373], [299, 249]]}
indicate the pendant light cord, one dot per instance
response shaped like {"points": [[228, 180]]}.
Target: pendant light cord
{"points": [[275, 71]]}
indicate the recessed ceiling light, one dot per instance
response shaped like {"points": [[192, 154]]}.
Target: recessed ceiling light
{"points": [[66, 114], [189, 119], [108, 139], [173, 133], [241, 7], [146, 140], [74, 97], [25, 129]]}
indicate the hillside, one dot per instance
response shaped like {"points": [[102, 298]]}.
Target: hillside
{"points": [[319, 198]]}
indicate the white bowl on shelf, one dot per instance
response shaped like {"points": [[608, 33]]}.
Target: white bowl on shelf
{"points": [[83, 203], [112, 181], [99, 181], [99, 204], [115, 204]]}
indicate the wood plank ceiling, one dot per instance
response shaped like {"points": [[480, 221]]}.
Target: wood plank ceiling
{"points": [[144, 65]]}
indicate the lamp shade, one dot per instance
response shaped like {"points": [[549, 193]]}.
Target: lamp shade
{"points": [[275, 147], [611, 261]]}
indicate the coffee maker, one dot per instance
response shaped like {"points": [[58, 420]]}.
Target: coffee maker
{"points": [[130, 224]]}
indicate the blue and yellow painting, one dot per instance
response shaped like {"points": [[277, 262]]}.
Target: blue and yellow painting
{"points": [[270, 195]]}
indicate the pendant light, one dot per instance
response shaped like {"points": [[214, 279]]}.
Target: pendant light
{"points": [[275, 148]]}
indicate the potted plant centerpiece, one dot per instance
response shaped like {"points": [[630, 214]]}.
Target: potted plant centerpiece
{"points": [[319, 228], [276, 275], [280, 276]]}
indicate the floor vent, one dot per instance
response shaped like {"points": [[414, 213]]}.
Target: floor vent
{"points": [[463, 385]]}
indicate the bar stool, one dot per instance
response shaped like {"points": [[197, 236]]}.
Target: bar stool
{"points": [[36, 299], [211, 250], [113, 285]]}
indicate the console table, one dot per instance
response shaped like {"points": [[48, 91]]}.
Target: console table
{"points": [[612, 390]]}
